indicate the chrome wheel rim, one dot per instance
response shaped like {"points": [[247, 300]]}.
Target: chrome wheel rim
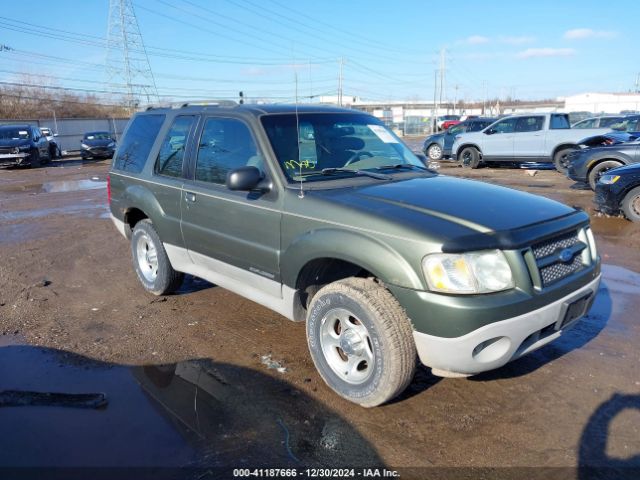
{"points": [[147, 256], [435, 152], [347, 347]]}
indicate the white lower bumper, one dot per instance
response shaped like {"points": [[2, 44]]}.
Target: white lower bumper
{"points": [[120, 225], [505, 340]]}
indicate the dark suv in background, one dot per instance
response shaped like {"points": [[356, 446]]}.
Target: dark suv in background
{"points": [[97, 145], [23, 145], [438, 146], [323, 215]]}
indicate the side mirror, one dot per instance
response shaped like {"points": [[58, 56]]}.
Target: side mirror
{"points": [[490, 131], [243, 178], [55, 134]]}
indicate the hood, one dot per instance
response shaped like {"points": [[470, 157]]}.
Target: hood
{"points": [[470, 205], [97, 142], [14, 142], [433, 138], [632, 169]]}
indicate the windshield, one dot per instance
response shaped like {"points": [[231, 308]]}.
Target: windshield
{"points": [[14, 134], [98, 136], [333, 141]]}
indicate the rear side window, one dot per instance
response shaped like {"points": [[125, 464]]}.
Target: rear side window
{"points": [[136, 144], [529, 124], [169, 161], [225, 144], [559, 121]]}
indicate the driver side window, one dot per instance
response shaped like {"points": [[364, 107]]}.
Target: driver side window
{"points": [[505, 126]]}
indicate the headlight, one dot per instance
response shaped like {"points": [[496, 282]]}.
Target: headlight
{"points": [[468, 273], [609, 179], [84, 145], [111, 145]]}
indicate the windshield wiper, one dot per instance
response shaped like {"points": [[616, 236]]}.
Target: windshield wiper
{"points": [[401, 165], [331, 171]]}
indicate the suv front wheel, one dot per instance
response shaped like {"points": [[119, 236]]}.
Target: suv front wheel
{"points": [[361, 341], [151, 262]]}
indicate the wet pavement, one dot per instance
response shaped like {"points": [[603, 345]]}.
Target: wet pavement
{"points": [[186, 382]]}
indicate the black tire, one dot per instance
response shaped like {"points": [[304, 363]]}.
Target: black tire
{"points": [[470, 157], [366, 306], [35, 161], [157, 277], [596, 172], [560, 159], [631, 205], [434, 152]]}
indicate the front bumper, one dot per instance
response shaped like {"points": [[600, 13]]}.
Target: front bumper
{"points": [[97, 152], [498, 343], [606, 200], [14, 159], [577, 170]]}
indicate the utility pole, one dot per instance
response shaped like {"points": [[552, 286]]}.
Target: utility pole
{"points": [[127, 62], [434, 116], [638, 83], [340, 81], [455, 101], [310, 81], [443, 67], [484, 97]]}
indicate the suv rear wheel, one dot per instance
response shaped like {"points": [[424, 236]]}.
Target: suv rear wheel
{"points": [[361, 341], [560, 159], [151, 262]]}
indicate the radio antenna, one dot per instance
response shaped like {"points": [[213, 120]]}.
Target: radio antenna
{"points": [[295, 75]]}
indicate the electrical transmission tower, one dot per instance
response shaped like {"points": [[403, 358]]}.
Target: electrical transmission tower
{"points": [[127, 64]]}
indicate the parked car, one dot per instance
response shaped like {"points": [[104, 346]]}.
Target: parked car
{"points": [[618, 190], [587, 165], [381, 257], [449, 123], [438, 145], [97, 145], [444, 118], [604, 121], [54, 148], [23, 145], [575, 117], [534, 137], [630, 123]]}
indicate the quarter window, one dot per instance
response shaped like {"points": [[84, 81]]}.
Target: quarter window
{"points": [[225, 144], [169, 161], [137, 143]]}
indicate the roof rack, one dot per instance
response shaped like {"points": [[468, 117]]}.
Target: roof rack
{"points": [[207, 103]]}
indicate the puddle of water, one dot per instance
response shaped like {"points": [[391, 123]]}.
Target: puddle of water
{"points": [[73, 185], [86, 209], [194, 413]]}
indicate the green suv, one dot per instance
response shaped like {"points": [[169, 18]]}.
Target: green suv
{"points": [[324, 216]]}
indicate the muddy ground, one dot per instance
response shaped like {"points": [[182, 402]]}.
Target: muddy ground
{"points": [[190, 378]]}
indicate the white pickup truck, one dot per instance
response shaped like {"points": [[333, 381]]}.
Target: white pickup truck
{"points": [[532, 137]]}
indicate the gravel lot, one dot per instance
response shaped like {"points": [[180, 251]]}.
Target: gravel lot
{"points": [[206, 377]]}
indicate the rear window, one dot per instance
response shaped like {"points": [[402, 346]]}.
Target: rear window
{"points": [[137, 142], [559, 122]]}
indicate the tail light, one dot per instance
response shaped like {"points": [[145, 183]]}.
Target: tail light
{"points": [[109, 188]]}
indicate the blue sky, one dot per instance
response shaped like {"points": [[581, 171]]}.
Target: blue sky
{"points": [[537, 49]]}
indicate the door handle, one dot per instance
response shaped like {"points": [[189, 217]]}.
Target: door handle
{"points": [[190, 197]]}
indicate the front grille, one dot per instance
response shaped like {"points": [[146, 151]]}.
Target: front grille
{"points": [[549, 247], [551, 266], [6, 150], [558, 271]]}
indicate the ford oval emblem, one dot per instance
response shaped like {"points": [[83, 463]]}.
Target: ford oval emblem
{"points": [[566, 255]]}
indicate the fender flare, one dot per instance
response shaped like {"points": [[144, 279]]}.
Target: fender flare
{"points": [[380, 259]]}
